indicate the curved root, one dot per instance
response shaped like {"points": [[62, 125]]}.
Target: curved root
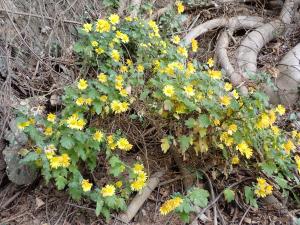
{"points": [[246, 57], [235, 23], [136, 4], [288, 80]]}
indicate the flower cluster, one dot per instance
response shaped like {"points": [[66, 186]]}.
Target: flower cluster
{"points": [[140, 177], [170, 205], [263, 188]]}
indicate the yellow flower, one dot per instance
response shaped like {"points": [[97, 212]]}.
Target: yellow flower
{"points": [[48, 131], [228, 86], [225, 100], [87, 27], [142, 176], [168, 90], [119, 107], [226, 139], [115, 55], [264, 121], [137, 168], [128, 18], [190, 69], [86, 185], [98, 136], [137, 185], [99, 51], [108, 190], [272, 116], [111, 142], [119, 184], [235, 94], [102, 26], [180, 7], [103, 98], [123, 93], [189, 90], [74, 122], [231, 129], [280, 109], [216, 122], [210, 62], [123, 69], [294, 133], [182, 51], [194, 45], [275, 130], [123, 37], [80, 101], [64, 160], [176, 39], [94, 43], [124, 144], [51, 117], [102, 78], [263, 188], [245, 149], [114, 19], [297, 160], [235, 160], [289, 146], [170, 205], [88, 101], [154, 27], [22, 125], [215, 74], [129, 62], [55, 162], [82, 84], [140, 68]]}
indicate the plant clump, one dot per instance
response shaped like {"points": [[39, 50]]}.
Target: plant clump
{"points": [[136, 64]]}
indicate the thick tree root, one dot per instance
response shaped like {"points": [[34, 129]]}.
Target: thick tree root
{"points": [[136, 4], [246, 56], [288, 80], [245, 22]]}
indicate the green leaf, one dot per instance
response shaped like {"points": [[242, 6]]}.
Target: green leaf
{"points": [[98, 107], [80, 136], [281, 182], [106, 213], [204, 120], [30, 157], [199, 197], [60, 182], [250, 198], [67, 142], [75, 193], [269, 168], [185, 142], [229, 195], [190, 123], [110, 201], [99, 205], [116, 166], [184, 217]]}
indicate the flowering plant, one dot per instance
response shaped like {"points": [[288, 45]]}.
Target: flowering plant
{"points": [[137, 65]]}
